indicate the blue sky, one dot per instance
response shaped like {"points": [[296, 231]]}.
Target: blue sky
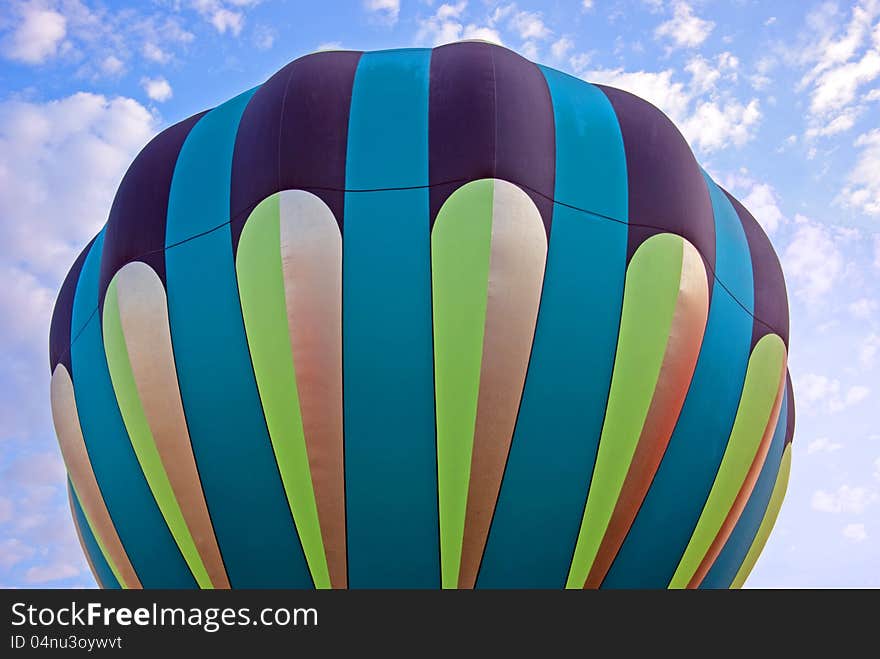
{"points": [[780, 102]]}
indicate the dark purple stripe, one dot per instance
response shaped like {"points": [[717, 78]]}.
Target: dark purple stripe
{"points": [[255, 156], [667, 192], [771, 300], [62, 315], [136, 226], [789, 419], [490, 116], [294, 135], [525, 147]]}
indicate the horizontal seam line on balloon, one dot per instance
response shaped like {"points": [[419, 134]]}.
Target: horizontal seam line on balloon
{"points": [[250, 208]]}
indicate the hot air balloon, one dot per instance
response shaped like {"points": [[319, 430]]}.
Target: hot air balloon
{"points": [[423, 318]]}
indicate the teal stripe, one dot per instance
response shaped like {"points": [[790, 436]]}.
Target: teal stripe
{"points": [[390, 452], [662, 529], [730, 559], [542, 497], [138, 520], [103, 572], [240, 478]]}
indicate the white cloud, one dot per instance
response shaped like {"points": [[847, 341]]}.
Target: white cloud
{"points": [[264, 37], [812, 261], [658, 88], [37, 35], [703, 74], [770, 21], [158, 89], [587, 4], [224, 15], [387, 10], [530, 25], [845, 500], [764, 206], [868, 350], [14, 551], [821, 392], [684, 29], [823, 445], [863, 308], [329, 45], [225, 19], [446, 25], [856, 395], [561, 47], [863, 183], [855, 532], [714, 125], [837, 87], [112, 65], [841, 59], [154, 53], [579, 62], [60, 164], [40, 574], [839, 124], [708, 124]]}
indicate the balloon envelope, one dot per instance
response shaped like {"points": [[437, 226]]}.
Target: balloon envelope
{"points": [[417, 319]]}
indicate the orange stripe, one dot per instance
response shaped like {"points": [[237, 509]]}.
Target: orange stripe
{"points": [[679, 361], [518, 254], [76, 458], [143, 312], [311, 258], [745, 491]]}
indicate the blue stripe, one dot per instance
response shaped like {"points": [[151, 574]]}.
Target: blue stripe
{"points": [[103, 574], [240, 478], [390, 451], [730, 559], [141, 527], [542, 496], [669, 513]]}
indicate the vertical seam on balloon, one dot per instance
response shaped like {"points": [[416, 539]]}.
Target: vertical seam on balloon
{"points": [[280, 128], [494, 114]]}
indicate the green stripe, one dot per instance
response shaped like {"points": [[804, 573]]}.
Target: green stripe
{"points": [[767, 523], [98, 540], [760, 389], [460, 247], [142, 437], [650, 294], [261, 287]]}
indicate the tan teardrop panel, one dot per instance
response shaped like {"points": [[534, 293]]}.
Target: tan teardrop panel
{"points": [[311, 261], [79, 467], [143, 312]]}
